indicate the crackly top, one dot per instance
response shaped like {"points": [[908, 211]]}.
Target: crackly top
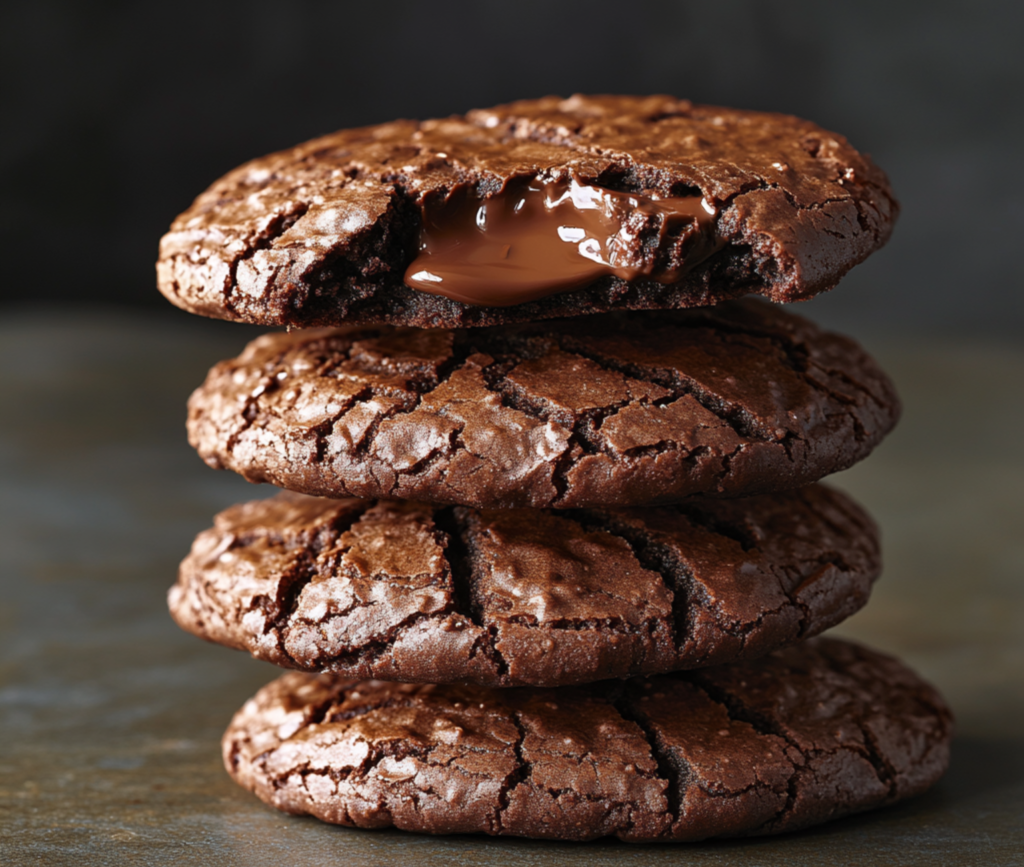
{"points": [[322, 234], [512, 597], [635, 408], [803, 735]]}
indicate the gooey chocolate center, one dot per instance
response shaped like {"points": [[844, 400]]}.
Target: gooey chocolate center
{"points": [[534, 239]]}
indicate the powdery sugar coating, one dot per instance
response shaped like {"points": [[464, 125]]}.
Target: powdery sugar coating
{"points": [[804, 735], [623, 409], [408, 592], [321, 234]]}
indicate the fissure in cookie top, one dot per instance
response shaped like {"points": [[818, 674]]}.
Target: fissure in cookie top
{"points": [[560, 207]]}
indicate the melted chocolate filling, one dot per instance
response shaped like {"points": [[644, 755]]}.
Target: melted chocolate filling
{"points": [[534, 239]]}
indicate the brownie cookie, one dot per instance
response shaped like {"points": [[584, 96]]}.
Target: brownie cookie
{"points": [[804, 735], [623, 409], [518, 597], [693, 205]]}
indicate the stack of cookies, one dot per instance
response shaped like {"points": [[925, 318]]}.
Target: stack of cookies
{"points": [[551, 554]]}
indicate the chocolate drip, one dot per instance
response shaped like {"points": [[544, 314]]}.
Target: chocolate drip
{"points": [[535, 239]]}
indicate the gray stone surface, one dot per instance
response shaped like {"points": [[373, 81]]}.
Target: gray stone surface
{"points": [[110, 718]]}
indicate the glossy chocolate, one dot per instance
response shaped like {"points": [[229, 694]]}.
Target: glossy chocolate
{"points": [[534, 239]]}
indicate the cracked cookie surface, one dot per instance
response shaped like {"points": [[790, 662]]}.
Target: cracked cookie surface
{"points": [[798, 737], [409, 592], [321, 234], [634, 408]]}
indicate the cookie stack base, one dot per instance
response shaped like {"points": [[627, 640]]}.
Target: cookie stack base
{"points": [[801, 736]]}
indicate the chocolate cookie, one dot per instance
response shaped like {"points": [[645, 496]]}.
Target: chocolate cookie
{"points": [[620, 409], [804, 735], [557, 208], [409, 592]]}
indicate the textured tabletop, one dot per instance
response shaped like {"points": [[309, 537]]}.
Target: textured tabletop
{"points": [[110, 717]]}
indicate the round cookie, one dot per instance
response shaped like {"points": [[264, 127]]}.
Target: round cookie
{"points": [[323, 233], [624, 409], [806, 734], [409, 592]]}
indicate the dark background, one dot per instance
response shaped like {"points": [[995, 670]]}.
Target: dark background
{"points": [[116, 115]]}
